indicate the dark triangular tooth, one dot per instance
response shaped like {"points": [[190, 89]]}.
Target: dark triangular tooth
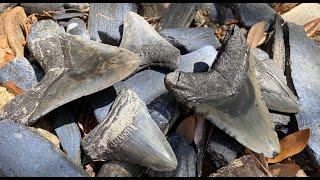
{"points": [[19, 71], [178, 15], [305, 69], [276, 93], [186, 156], [77, 26], [231, 101], [140, 38], [106, 21], [119, 169], [190, 39], [24, 152], [129, 134], [80, 68], [68, 133]]}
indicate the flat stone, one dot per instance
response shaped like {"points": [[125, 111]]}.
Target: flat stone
{"points": [[66, 16], [5, 6], [80, 6], [164, 111], [200, 60], [74, 67], [178, 15], [20, 72], [260, 54], [245, 166], [76, 26], [186, 156], [129, 134], [119, 169], [222, 148], [302, 14], [305, 67], [147, 84], [280, 119], [190, 39], [276, 93], [68, 133], [106, 19], [153, 50], [252, 13], [39, 8], [24, 152]]}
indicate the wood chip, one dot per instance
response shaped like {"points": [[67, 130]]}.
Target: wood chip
{"points": [[187, 128], [291, 145], [256, 34]]}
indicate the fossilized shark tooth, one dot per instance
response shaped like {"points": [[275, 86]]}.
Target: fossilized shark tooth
{"points": [[74, 67], [276, 93], [24, 152], [140, 38], [129, 134], [229, 97]]}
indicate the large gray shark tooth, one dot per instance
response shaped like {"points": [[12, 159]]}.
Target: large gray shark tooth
{"points": [[77, 26], [140, 38], [106, 20], [305, 70], [129, 134], [24, 152], [276, 93], [78, 68], [229, 97]]}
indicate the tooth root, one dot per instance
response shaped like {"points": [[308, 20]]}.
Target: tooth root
{"points": [[276, 93], [232, 101], [129, 134]]}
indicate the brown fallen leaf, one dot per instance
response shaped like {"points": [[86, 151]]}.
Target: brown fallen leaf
{"points": [[5, 96], [291, 145], [284, 170], [312, 27], [263, 39], [199, 125], [256, 34], [284, 7], [186, 128], [14, 29], [12, 88]]}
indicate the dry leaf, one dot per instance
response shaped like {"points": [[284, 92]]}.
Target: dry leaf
{"points": [[5, 96], [312, 27], [186, 128], [284, 7], [12, 88], [291, 145], [199, 125], [284, 170], [263, 39], [256, 34], [49, 136], [14, 29]]}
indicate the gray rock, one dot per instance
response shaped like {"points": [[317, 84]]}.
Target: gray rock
{"points": [[24, 152], [164, 111], [147, 84], [20, 72], [106, 19], [190, 39], [224, 13], [119, 169], [178, 15], [66, 16], [41, 7], [305, 68], [153, 10], [153, 50], [280, 119], [80, 6], [129, 134], [77, 26], [252, 13], [5, 6], [68, 133], [260, 54], [230, 97], [276, 93], [222, 148], [198, 61], [186, 156], [211, 8], [74, 67]]}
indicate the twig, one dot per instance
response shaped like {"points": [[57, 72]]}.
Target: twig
{"points": [[262, 166]]}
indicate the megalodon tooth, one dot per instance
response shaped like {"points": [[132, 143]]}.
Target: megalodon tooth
{"points": [[74, 67], [129, 134], [229, 96]]}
